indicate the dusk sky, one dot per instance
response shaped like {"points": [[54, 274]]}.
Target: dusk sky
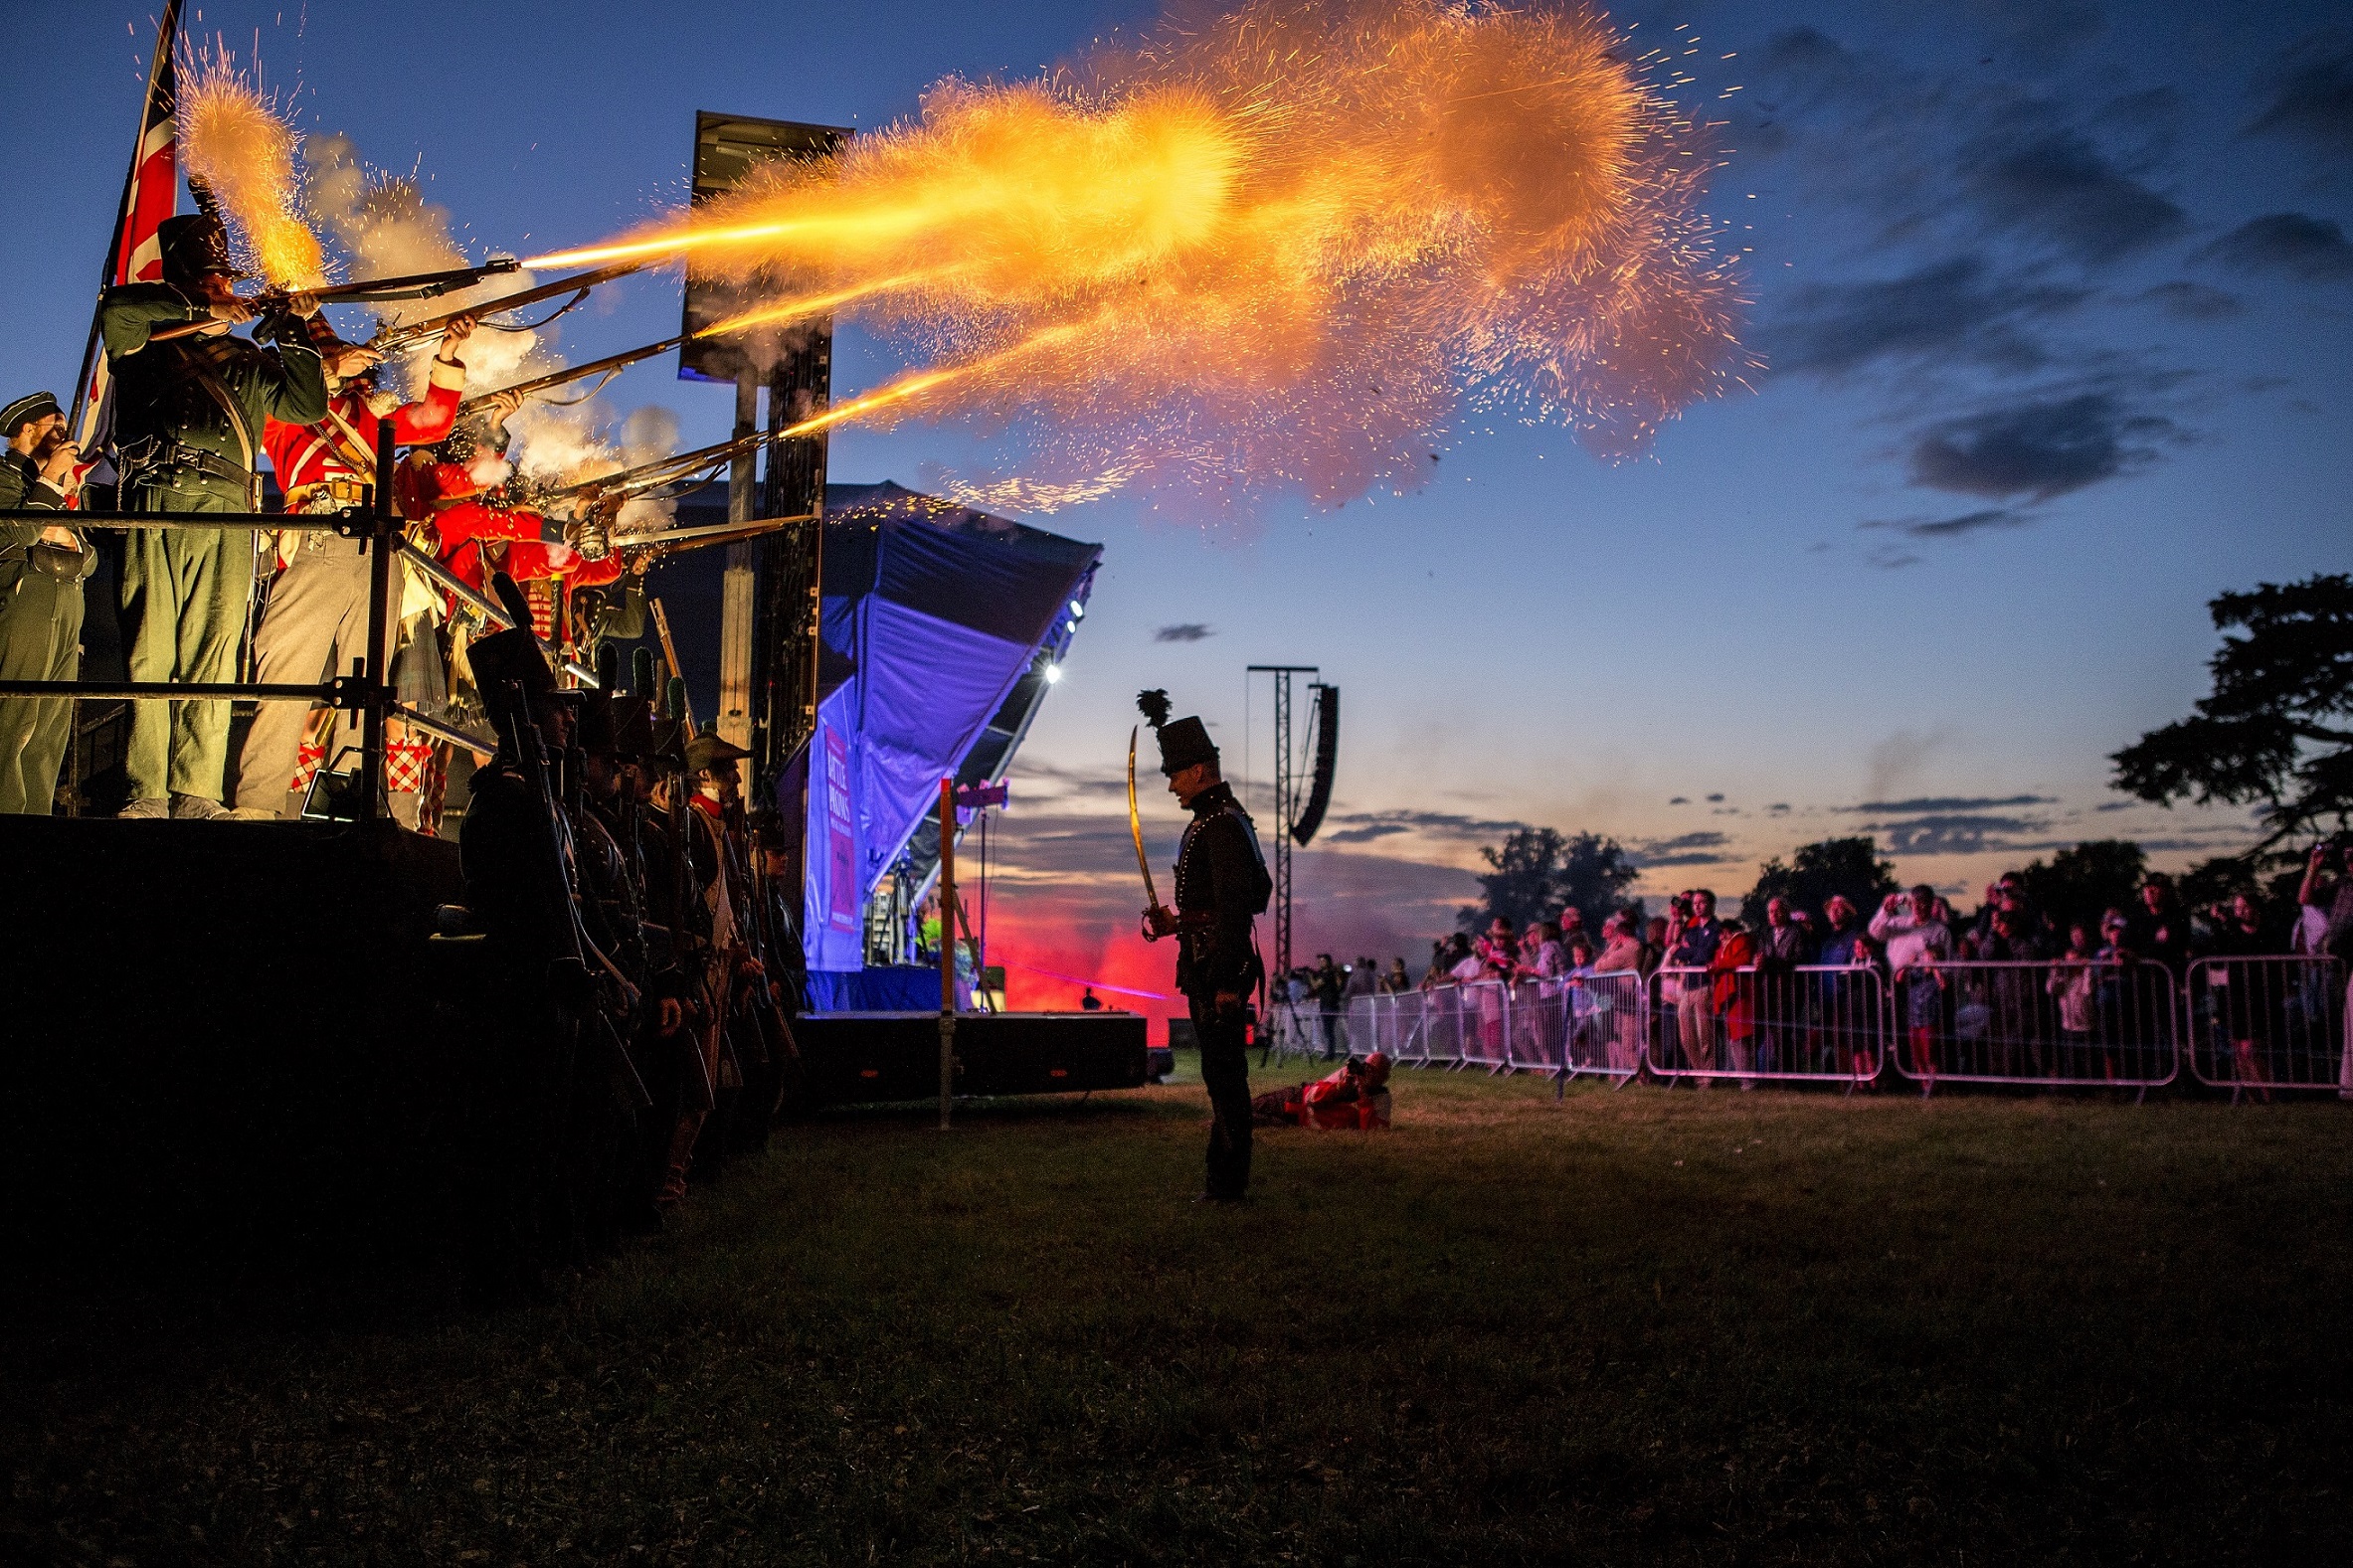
{"points": [[2056, 300]]}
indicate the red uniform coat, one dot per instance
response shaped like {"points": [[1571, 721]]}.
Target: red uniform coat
{"points": [[314, 454], [477, 537]]}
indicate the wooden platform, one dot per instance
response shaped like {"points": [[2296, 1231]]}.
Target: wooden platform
{"points": [[222, 1028]]}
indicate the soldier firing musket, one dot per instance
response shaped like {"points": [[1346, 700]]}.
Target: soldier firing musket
{"points": [[190, 415], [374, 291]]}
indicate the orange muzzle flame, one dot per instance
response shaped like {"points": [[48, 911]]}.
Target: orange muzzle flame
{"points": [[1285, 252]]}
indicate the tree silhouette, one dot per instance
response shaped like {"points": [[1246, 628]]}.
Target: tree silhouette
{"points": [[1537, 871], [2082, 883], [2273, 734], [1850, 866]]}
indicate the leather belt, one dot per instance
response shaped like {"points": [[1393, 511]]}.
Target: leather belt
{"points": [[326, 495], [158, 455]]}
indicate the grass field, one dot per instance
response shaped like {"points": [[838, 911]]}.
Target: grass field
{"points": [[1641, 1326]]}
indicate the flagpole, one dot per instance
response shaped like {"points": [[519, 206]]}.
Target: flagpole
{"points": [[167, 34]]}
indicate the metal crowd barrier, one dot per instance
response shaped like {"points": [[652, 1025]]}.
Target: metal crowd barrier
{"points": [[1372, 1026], [2045, 1023], [2251, 1024], [2263, 1023], [1481, 1030], [1811, 1024], [1443, 1026], [1605, 1024], [1293, 1031], [1535, 1025]]}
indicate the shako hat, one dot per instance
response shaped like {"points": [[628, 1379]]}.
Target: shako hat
{"points": [[600, 729], [193, 244], [633, 726], [1184, 742]]}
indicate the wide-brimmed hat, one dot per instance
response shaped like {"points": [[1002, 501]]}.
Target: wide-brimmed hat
{"points": [[707, 750]]}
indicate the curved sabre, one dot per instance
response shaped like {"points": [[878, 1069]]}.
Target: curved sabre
{"points": [[1136, 825]]}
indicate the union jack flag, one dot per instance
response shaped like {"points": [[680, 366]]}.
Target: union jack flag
{"points": [[150, 194]]}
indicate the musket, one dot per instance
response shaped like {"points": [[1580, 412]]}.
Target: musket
{"points": [[650, 475], [706, 533], [576, 948], [1136, 830], [415, 285], [399, 339], [669, 654], [412, 286], [557, 378]]}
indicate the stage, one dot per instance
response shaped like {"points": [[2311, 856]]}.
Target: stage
{"points": [[863, 1057]]}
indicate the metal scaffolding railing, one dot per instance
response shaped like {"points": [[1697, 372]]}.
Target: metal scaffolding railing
{"points": [[368, 690]]}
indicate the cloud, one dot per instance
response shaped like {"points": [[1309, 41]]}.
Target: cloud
{"points": [[2310, 98], [2043, 26], [2039, 450], [1808, 53], [2297, 244], [1034, 777], [2060, 187], [1955, 309], [1363, 827], [1681, 799], [1684, 849], [2192, 301], [1949, 802], [1952, 527], [1715, 800], [1956, 833], [1183, 631]]}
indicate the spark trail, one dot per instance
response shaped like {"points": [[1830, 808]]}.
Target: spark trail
{"points": [[241, 149], [1286, 250]]}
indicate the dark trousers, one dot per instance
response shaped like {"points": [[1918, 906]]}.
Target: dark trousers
{"points": [[1225, 1073]]}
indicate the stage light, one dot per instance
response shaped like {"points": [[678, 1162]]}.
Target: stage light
{"points": [[1078, 611], [1053, 673]]}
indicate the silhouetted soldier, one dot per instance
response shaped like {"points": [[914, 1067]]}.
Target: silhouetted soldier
{"points": [[1221, 885]]}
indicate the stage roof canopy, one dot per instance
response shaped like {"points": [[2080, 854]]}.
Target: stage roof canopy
{"points": [[939, 624]]}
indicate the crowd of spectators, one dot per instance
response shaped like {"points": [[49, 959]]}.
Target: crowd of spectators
{"points": [[2012, 990]]}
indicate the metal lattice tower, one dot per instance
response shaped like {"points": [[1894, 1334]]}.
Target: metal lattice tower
{"points": [[1285, 806]]}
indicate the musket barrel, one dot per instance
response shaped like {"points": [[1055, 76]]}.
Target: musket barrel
{"points": [[557, 378], [414, 332], [663, 470]]}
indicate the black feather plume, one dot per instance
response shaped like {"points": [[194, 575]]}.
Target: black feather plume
{"points": [[1154, 705]]}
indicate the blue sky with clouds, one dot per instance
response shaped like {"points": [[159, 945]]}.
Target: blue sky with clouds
{"points": [[2057, 299]]}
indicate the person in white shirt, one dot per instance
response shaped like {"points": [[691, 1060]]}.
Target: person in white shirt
{"points": [[1917, 943]]}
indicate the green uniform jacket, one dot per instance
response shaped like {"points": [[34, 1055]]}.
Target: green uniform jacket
{"points": [[159, 387], [23, 489]]}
